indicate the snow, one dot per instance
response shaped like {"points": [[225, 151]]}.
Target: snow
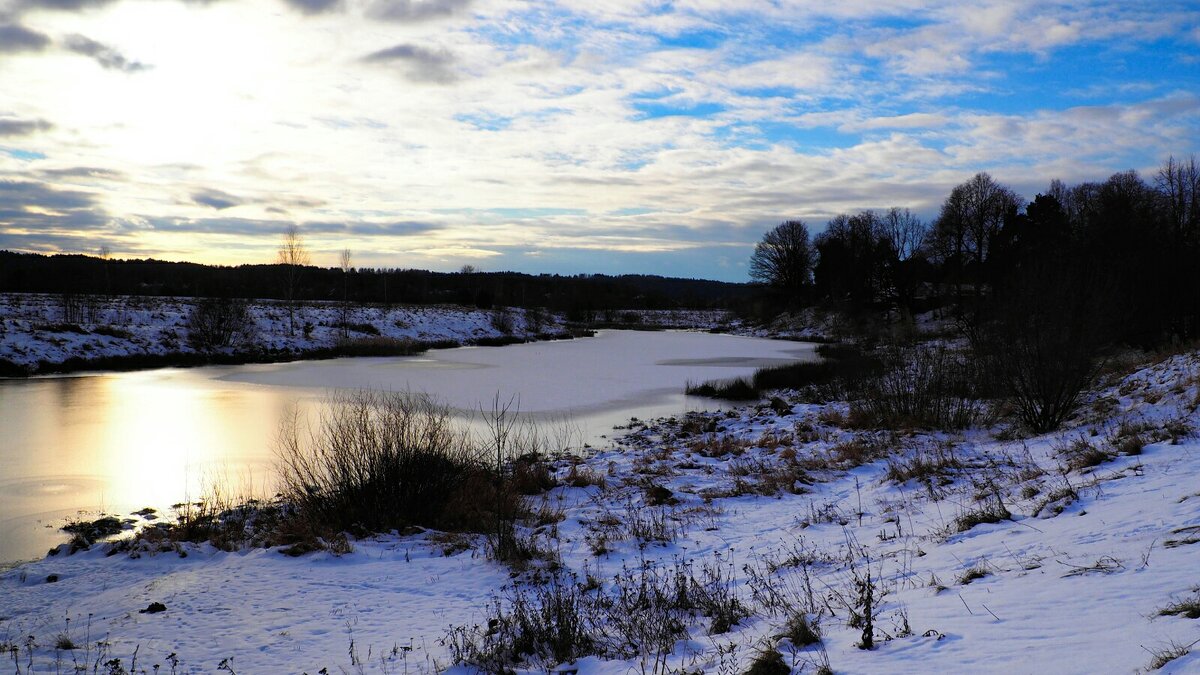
{"points": [[1076, 592], [33, 328], [618, 367]]}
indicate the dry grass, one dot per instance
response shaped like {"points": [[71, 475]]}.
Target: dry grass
{"points": [[1188, 607]]}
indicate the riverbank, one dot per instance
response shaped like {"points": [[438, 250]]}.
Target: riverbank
{"points": [[137, 332], [708, 542]]}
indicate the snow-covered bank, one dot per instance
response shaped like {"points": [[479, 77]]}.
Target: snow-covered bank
{"points": [[1102, 533], [35, 335]]}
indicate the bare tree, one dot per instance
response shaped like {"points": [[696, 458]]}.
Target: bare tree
{"points": [[293, 256], [784, 258], [905, 236], [344, 262], [1178, 183], [904, 232], [970, 220], [1041, 340], [105, 254]]}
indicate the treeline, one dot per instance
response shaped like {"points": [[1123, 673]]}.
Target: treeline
{"points": [[1119, 258], [1040, 290], [581, 297]]}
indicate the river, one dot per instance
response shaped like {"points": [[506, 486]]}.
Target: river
{"points": [[117, 442]]}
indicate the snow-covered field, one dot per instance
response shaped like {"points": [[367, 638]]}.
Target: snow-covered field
{"points": [[34, 329], [789, 514]]}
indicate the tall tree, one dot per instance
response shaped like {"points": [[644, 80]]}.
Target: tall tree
{"points": [[345, 264], [904, 236], [292, 257], [1178, 183], [784, 258], [970, 219], [851, 255], [1178, 186]]}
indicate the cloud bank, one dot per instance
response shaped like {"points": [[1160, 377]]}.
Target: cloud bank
{"points": [[562, 136]]}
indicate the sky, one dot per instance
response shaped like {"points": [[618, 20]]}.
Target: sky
{"points": [[558, 136]]}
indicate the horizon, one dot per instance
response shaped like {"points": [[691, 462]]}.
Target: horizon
{"points": [[556, 138], [365, 268]]}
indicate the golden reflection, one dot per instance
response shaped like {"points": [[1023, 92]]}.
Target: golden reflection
{"points": [[165, 443]]}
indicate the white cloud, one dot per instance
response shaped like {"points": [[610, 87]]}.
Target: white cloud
{"points": [[464, 108]]}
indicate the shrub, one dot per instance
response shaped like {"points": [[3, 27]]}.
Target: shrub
{"points": [[1161, 657], [364, 328], [1189, 607], [548, 623], [842, 368], [924, 387], [1056, 501], [642, 613], [1082, 454], [63, 327], [531, 475], [738, 389], [802, 631], [215, 323], [974, 573], [991, 511], [383, 461], [113, 332], [1040, 341], [932, 467], [503, 321], [769, 662]]}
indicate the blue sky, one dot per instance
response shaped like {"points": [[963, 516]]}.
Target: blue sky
{"points": [[570, 136]]}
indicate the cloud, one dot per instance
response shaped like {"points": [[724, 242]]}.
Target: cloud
{"points": [[16, 38], [909, 121], [577, 129], [63, 5], [80, 5], [314, 6], [108, 57], [216, 199], [19, 127], [415, 10], [84, 172], [394, 228], [272, 227], [27, 195], [452, 253], [33, 206], [420, 64]]}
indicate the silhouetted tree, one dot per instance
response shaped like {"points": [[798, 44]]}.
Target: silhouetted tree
{"points": [[904, 236], [292, 256], [344, 263], [851, 259], [1041, 336], [967, 225], [1178, 184], [784, 259]]}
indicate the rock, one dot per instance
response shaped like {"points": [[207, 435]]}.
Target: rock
{"points": [[153, 608]]}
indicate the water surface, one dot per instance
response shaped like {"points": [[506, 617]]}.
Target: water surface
{"points": [[122, 441]]}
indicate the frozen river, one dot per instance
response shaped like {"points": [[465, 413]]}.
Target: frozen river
{"points": [[122, 441]]}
